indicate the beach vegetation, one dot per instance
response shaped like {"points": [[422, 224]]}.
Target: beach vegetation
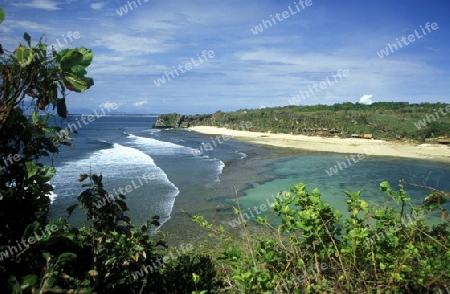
{"points": [[383, 120], [104, 253], [387, 248]]}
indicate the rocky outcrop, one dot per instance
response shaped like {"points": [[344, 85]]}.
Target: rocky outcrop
{"points": [[173, 120]]}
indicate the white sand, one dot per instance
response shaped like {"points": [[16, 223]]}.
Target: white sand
{"points": [[350, 146]]}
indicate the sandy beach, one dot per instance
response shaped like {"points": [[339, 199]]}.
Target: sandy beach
{"points": [[355, 146]]}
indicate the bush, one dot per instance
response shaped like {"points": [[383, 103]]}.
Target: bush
{"points": [[376, 249]]}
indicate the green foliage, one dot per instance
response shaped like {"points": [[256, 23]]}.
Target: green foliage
{"points": [[72, 65], [104, 255], [24, 139], [27, 74], [375, 249], [24, 183], [31, 72], [192, 274], [384, 120], [101, 257]]}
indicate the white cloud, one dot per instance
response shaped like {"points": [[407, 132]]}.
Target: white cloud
{"points": [[137, 45], [98, 5], [366, 99], [140, 103], [40, 4], [31, 25]]}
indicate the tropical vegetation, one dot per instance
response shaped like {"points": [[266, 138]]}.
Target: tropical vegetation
{"points": [[314, 249], [382, 120]]}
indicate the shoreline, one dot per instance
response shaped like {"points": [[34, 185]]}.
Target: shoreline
{"points": [[432, 152], [217, 207]]}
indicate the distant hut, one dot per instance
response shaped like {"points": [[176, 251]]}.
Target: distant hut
{"points": [[334, 131], [443, 141]]}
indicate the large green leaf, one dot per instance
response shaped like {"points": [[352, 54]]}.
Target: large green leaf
{"points": [[77, 83], [31, 169], [48, 172], [72, 65], [24, 56], [69, 58], [75, 57], [88, 56]]}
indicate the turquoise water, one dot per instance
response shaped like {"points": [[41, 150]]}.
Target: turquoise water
{"points": [[125, 148], [365, 175]]}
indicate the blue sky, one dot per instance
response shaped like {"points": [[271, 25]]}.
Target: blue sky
{"points": [[248, 70]]}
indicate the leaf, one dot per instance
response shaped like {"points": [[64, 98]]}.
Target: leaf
{"points": [[30, 168], [48, 172], [46, 119], [71, 208], [28, 281], [385, 186], [72, 66], [34, 116], [2, 15], [27, 38], [24, 55], [88, 56], [77, 83], [66, 257], [33, 227], [82, 177], [61, 107]]}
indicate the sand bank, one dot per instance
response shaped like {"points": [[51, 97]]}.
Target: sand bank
{"points": [[348, 146]]}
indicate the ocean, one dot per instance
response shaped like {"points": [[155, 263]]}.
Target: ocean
{"points": [[162, 173]]}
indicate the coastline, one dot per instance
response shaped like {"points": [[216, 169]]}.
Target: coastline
{"points": [[433, 152], [238, 176]]}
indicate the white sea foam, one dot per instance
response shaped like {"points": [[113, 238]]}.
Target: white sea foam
{"points": [[120, 165], [156, 147]]}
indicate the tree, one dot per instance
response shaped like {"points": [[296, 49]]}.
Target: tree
{"points": [[33, 77]]}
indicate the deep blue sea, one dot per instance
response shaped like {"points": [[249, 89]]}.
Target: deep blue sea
{"points": [[126, 150]]}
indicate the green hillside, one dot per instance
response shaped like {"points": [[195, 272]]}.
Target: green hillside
{"points": [[384, 120]]}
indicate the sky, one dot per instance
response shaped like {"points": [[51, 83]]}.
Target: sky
{"points": [[203, 56]]}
